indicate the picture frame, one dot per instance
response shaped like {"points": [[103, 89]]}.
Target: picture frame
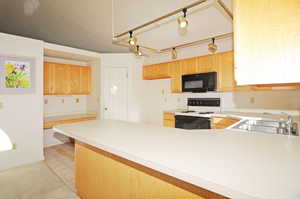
{"points": [[17, 75]]}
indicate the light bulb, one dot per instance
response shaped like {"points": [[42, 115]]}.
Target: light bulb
{"points": [[183, 22], [132, 40], [212, 47], [138, 52], [174, 53]]}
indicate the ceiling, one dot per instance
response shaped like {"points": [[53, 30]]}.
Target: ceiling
{"points": [[91, 24]]}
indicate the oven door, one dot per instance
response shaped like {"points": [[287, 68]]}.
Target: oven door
{"points": [[190, 122]]}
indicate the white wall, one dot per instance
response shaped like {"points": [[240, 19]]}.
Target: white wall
{"points": [[22, 114]]}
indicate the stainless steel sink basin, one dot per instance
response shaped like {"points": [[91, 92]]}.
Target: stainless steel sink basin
{"points": [[265, 126]]}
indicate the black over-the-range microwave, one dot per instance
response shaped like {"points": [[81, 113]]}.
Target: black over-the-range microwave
{"points": [[198, 83]]}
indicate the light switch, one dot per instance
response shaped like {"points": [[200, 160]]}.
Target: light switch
{"points": [[45, 101], [62, 101]]}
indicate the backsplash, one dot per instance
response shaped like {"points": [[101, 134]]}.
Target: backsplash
{"points": [[64, 104]]}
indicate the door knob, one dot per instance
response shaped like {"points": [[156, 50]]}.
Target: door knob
{"points": [[105, 109]]}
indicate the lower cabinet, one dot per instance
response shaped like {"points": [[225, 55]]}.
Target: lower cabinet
{"points": [[222, 122], [169, 120], [99, 174]]}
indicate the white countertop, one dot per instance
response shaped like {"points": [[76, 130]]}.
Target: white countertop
{"points": [[232, 163]]}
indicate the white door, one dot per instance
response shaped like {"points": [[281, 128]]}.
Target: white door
{"points": [[115, 93]]}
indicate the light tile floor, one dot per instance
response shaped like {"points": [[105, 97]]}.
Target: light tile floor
{"points": [[35, 181], [60, 159]]}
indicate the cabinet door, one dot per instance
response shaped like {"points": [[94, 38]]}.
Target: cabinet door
{"points": [[266, 41], [226, 81], [189, 66], [85, 80], [61, 83], [175, 73], [48, 78], [156, 71], [206, 64], [75, 79]]}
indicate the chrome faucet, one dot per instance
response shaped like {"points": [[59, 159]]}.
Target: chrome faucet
{"points": [[291, 126]]}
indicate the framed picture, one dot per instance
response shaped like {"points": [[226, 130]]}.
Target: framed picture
{"points": [[17, 75]]}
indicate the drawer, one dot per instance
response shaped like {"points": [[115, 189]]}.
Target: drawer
{"points": [[169, 123], [169, 116]]}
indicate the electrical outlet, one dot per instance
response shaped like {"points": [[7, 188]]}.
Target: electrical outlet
{"points": [[77, 100], [252, 100], [14, 147], [45, 101], [62, 101]]}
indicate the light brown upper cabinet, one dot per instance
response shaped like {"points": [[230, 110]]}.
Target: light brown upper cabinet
{"points": [[225, 69], [64, 79], [156, 71], [175, 71], [267, 41], [188, 66], [206, 64]]}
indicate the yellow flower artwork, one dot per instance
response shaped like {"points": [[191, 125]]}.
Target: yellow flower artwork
{"points": [[17, 74]]}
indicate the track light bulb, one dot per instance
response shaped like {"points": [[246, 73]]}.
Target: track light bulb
{"points": [[132, 40], [212, 47], [182, 21], [174, 53], [138, 52]]}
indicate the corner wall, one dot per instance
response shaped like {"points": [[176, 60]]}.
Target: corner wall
{"points": [[21, 116]]}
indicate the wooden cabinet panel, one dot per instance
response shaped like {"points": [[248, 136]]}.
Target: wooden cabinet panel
{"points": [[48, 77], [169, 116], [222, 122], [98, 174], [63, 79], [266, 39], [189, 66], [61, 83], [169, 123], [156, 71], [225, 69], [85, 80], [206, 64], [169, 120], [176, 77], [75, 79]]}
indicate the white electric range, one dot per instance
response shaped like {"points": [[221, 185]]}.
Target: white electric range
{"points": [[198, 114]]}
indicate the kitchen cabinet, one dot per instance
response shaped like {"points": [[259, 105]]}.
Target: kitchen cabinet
{"points": [[266, 41], [61, 79], [222, 122], [225, 69], [156, 71], [189, 66], [176, 76], [48, 77], [169, 120], [64, 79], [206, 64]]}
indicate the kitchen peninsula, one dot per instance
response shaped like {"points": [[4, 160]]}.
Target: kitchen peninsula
{"points": [[146, 161]]}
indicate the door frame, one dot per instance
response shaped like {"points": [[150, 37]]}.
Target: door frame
{"points": [[102, 95]]}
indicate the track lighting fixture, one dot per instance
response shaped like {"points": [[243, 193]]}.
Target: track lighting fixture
{"points": [[212, 47], [174, 53], [132, 40], [138, 51], [182, 21]]}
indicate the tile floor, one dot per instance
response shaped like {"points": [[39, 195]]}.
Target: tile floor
{"points": [[51, 179], [60, 159], [35, 181]]}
